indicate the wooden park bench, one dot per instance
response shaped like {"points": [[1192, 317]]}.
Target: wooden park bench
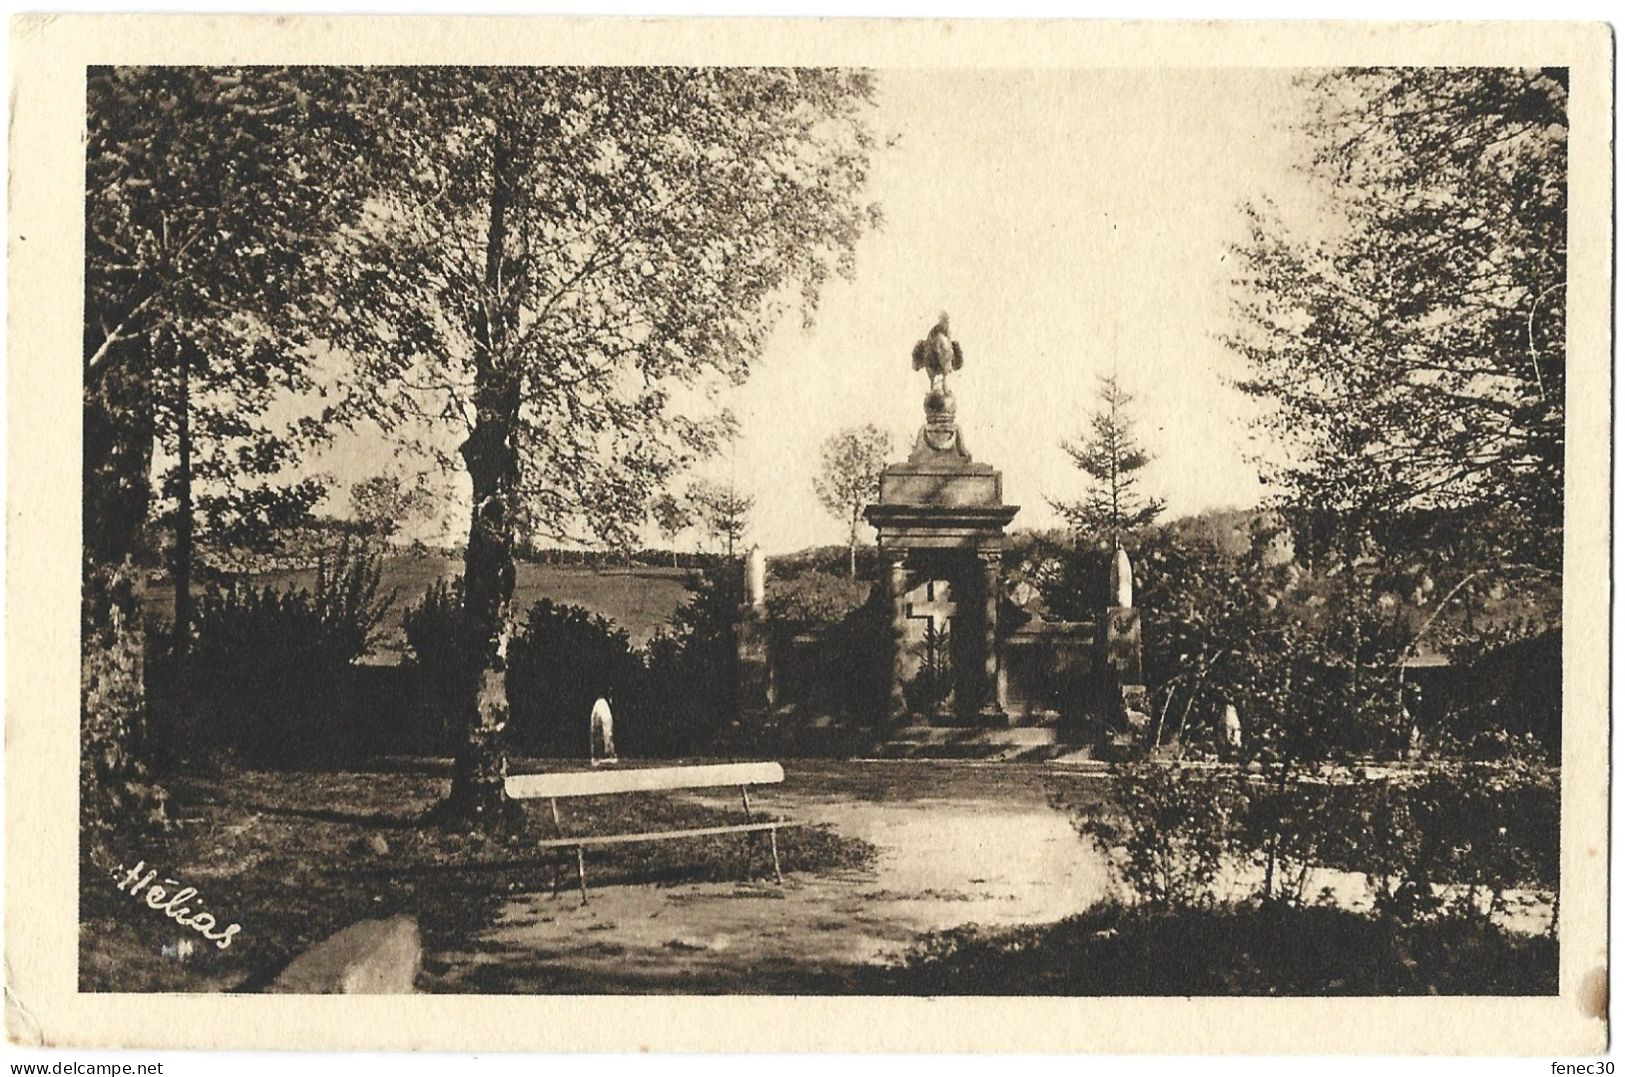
{"points": [[595, 783]]}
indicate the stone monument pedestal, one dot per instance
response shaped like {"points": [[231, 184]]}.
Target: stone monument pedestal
{"points": [[940, 519]]}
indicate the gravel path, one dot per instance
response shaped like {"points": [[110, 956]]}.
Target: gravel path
{"points": [[959, 843]]}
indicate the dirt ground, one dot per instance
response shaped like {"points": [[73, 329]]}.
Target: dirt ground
{"points": [[960, 843]]}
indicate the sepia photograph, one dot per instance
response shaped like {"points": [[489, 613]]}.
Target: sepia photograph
{"points": [[843, 529]]}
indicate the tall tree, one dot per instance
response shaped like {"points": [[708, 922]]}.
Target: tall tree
{"points": [[672, 517], [1413, 355], [383, 502], [552, 258], [849, 479], [210, 194], [723, 511], [1111, 457]]}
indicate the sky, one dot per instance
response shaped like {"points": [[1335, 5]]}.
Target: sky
{"points": [[1072, 225]]}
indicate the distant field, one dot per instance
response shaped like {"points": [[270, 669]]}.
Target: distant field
{"points": [[639, 599]]}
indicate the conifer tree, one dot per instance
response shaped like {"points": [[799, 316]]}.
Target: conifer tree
{"points": [[1111, 456]]}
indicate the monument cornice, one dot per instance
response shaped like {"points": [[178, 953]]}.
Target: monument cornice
{"points": [[925, 517]]}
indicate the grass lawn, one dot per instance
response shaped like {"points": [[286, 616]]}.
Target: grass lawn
{"points": [[295, 856], [1228, 950]]}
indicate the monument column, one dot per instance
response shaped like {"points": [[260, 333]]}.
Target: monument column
{"points": [[992, 570], [897, 591]]}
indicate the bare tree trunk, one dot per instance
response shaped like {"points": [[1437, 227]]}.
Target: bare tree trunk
{"points": [[480, 768], [852, 552], [1275, 833], [118, 428], [182, 563]]}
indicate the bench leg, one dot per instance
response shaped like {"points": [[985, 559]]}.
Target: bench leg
{"points": [[744, 795], [581, 872], [773, 837], [557, 864]]}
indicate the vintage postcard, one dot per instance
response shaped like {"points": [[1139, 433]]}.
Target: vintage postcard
{"points": [[808, 535]]}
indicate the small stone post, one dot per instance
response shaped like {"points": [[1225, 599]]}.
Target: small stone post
{"points": [[1126, 691], [756, 579], [1232, 728], [756, 694]]}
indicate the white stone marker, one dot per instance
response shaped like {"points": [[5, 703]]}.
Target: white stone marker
{"points": [[1122, 580], [756, 578], [603, 733]]}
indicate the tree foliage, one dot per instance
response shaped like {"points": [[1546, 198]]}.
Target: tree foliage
{"points": [[210, 195], [552, 261], [849, 478], [382, 503], [723, 511], [1413, 355], [1111, 457], [672, 516], [587, 249]]}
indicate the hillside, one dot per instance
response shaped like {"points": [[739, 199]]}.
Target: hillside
{"points": [[638, 599]]}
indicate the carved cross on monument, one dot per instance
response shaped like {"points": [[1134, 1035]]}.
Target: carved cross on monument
{"points": [[936, 611]]}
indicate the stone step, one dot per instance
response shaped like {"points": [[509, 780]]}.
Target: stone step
{"points": [[1021, 743], [1025, 736]]}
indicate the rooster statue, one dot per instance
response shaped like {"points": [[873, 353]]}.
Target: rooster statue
{"points": [[938, 354]]}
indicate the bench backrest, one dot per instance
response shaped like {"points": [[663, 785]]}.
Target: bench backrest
{"points": [[591, 783]]}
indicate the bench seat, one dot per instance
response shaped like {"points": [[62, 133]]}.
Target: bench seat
{"points": [[658, 835], [559, 785]]}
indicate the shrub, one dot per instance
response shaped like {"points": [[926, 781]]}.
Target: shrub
{"points": [[269, 666], [1455, 838], [559, 662], [1511, 695], [694, 668], [1451, 840], [445, 658], [814, 597], [1225, 949], [1165, 830], [563, 660]]}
